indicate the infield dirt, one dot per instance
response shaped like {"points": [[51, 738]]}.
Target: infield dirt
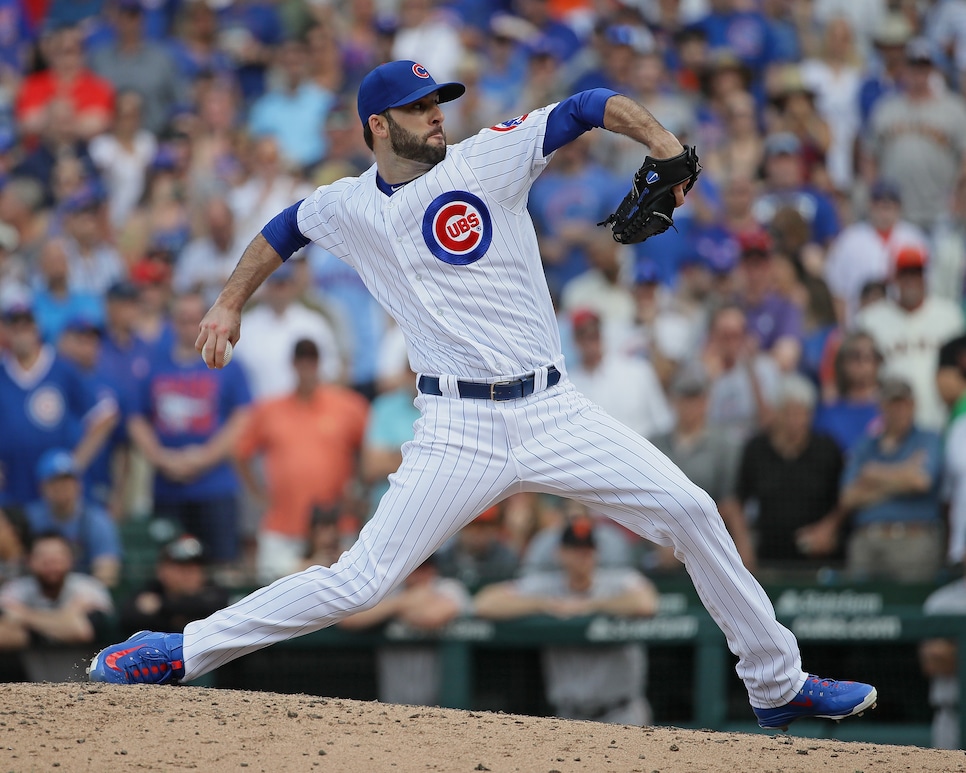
{"points": [[83, 727]]}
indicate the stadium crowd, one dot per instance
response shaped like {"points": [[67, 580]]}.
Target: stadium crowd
{"points": [[795, 345]]}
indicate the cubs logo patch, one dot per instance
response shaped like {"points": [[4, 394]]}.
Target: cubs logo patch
{"points": [[419, 71], [513, 123], [45, 406], [457, 228]]}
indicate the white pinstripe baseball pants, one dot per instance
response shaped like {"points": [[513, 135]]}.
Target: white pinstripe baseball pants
{"points": [[469, 454]]}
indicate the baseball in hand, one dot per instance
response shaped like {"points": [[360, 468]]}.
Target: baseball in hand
{"points": [[225, 360]]}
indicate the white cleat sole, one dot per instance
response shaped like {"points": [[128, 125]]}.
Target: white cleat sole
{"points": [[869, 702], [92, 665]]}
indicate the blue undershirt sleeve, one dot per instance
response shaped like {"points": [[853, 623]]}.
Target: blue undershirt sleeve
{"points": [[283, 233], [574, 116]]}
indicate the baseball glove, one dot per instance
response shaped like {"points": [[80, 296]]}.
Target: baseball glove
{"points": [[646, 210]]}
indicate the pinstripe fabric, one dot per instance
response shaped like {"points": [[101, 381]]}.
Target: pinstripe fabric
{"points": [[468, 454], [490, 318]]}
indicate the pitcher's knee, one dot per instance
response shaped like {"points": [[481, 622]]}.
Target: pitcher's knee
{"points": [[691, 507], [362, 583], [696, 502]]}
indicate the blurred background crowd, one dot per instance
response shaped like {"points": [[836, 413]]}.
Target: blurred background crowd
{"points": [[795, 345]]}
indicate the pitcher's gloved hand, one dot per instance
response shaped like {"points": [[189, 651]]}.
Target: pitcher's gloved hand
{"points": [[647, 209]]}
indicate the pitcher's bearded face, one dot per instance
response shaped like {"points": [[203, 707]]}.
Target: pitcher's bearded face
{"points": [[428, 148]]}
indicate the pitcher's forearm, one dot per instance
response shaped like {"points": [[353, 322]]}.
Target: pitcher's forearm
{"points": [[257, 262], [625, 116]]}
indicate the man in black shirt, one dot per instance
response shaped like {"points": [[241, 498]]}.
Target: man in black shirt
{"points": [[788, 478]]}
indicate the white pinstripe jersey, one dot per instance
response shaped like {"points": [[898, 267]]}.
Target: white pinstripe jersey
{"points": [[452, 255]]}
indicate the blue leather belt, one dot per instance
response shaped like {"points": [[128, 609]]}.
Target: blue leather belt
{"points": [[500, 390]]}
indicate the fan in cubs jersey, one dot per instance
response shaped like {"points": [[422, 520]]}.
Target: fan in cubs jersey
{"points": [[442, 238]]}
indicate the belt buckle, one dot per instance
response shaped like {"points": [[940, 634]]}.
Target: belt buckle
{"points": [[493, 387]]}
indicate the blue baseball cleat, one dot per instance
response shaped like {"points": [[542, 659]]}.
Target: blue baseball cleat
{"points": [[145, 658], [820, 698]]}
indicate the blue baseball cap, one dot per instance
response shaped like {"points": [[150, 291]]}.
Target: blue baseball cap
{"points": [[885, 190], [122, 290], [647, 272], [87, 199], [395, 84], [83, 323], [56, 463]]}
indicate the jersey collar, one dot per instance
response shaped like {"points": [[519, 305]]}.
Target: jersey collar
{"points": [[27, 379], [388, 189]]}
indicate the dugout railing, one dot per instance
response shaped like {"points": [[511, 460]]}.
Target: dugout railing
{"points": [[856, 632]]}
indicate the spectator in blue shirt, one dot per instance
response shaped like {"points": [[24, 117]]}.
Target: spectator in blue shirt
{"points": [[891, 488], [196, 49], [123, 354], [248, 30], [853, 412], [560, 36], [44, 403], [784, 186], [64, 509], [773, 320], [620, 47], [186, 419], [504, 66], [890, 45], [105, 478], [567, 201], [54, 302], [16, 37], [294, 112], [747, 33]]}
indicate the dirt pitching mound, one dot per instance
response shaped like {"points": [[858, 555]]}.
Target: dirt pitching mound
{"points": [[83, 727]]}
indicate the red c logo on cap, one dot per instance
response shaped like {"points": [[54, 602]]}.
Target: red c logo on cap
{"points": [[419, 71]]}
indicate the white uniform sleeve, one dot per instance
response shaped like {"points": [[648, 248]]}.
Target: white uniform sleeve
{"points": [[318, 215], [508, 157]]}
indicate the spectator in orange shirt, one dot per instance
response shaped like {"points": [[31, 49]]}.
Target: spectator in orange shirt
{"points": [[310, 441], [66, 77]]}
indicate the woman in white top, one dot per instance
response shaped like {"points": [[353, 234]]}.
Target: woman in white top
{"points": [[122, 156]]}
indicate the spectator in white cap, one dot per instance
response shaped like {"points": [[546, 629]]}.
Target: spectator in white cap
{"points": [[909, 327]]}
